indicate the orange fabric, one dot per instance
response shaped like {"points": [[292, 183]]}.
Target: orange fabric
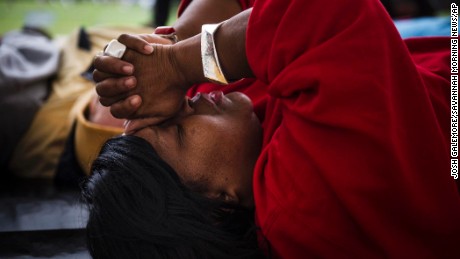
{"points": [[89, 138]]}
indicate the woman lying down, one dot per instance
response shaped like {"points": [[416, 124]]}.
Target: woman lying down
{"points": [[336, 143]]}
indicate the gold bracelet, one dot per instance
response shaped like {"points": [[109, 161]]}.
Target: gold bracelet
{"points": [[211, 66]]}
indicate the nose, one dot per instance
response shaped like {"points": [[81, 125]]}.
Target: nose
{"points": [[199, 104]]}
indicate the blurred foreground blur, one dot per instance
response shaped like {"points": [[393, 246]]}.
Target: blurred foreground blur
{"points": [[60, 17]]}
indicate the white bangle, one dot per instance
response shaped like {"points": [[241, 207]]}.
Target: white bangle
{"points": [[115, 49], [211, 66]]}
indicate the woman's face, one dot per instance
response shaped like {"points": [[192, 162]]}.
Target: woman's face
{"points": [[213, 144]]}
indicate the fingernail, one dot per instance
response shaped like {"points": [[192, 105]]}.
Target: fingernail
{"points": [[129, 82], [127, 69], [134, 101], [148, 48]]}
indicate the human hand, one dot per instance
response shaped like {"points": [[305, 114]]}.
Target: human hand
{"points": [[113, 76], [157, 82]]}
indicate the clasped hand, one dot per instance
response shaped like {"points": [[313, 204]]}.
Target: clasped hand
{"points": [[145, 86]]}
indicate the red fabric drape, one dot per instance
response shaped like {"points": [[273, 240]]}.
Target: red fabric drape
{"points": [[356, 134]]}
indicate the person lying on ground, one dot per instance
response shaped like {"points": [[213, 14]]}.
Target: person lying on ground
{"points": [[350, 157]]}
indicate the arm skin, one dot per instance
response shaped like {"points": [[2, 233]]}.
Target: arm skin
{"points": [[201, 12], [173, 68], [230, 40]]}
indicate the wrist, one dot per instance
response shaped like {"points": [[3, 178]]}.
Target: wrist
{"points": [[230, 46], [187, 55]]}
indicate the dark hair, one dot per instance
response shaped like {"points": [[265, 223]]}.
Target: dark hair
{"points": [[139, 208]]}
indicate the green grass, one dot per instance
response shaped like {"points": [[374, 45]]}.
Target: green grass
{"points": [[64, 18]]}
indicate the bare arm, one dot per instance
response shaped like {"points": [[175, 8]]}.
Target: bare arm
{"points": [[230, 41], [201, 12]]}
